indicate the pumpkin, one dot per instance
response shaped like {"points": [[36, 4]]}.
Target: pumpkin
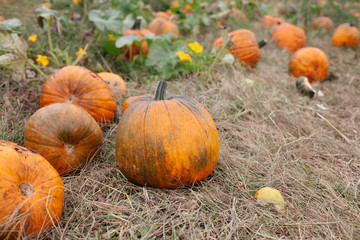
{"points": [[346, 35], [129, 52], [324, 22], [160, 26], [31, 192], [47, 5], [131, 100], [270, 21], [289, 36], [310, 62], [2, 19], [115, 82], [167, 142], [78, 85], [187, 8], [64, 134], [242, 46]]}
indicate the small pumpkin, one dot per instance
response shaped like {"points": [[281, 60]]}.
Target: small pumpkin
{"points": [[64, 134], [31, 192], [243, 46], [131, 100], [78, 85], [289, 36], [115, 82], [167, 142], [270, 21], [160, 26], [47, 5], [310, 62], [2, 19], [324, 22], [346, 35], [129, 52]]}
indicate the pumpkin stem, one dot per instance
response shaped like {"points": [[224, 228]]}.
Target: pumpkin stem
{"points": [[160, 91], [26, 189], [262, 43], [137, 23]]}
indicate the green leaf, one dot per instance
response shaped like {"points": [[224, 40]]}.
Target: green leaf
{"points": [[206, 21], [15, 57], [107, 20], [12, 25], [126, 40], [47, 13]]}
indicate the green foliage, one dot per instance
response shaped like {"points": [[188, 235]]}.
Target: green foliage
{"points": [[13, 25]]}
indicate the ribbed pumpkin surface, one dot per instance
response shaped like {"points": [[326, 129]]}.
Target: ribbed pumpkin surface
{"points": [[289, 36], [345, 35]]}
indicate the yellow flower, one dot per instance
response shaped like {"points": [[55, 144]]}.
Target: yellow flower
{"points": [[43, 60], [184, 57], [77, 1], [32, 38], [111, 37], [196, 47], [80, 52]]}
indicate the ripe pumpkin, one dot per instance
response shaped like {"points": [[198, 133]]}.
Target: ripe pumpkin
{"points": [[2, 19], [324, 22], [289, 36], [131, 100], [270, 21], [115, 82], [31, 192], [242, 46], [160, 26], [166, 142], [129, 52], [310, 62], [78, 85], [345, 35], [47, 5], [64, 134]]}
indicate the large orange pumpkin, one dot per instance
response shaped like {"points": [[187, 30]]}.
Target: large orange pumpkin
{"points": [[346, 35], [243, 46], [310, 62], [324, 22], [166, 142], [64, 134], [270, 21], [289, 36], [115, 82], [129, 52], [161, 14], [78, 85], [31, 192], [160, 26]]}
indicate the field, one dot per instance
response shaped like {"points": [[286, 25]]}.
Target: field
{"points": [[270, 135]]}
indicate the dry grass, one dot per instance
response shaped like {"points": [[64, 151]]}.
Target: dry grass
{"points": [[270, 135]]}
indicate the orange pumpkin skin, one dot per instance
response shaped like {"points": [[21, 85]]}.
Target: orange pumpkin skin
{"points": [[1, 19], [168, 143], [160, 26], [133, 50], [131, 100], [64, 134], [270, 21], [162, 15], [78, 85], [310, 62], [345, 35], [31, 189], [243, 46], [323, 22], [47, 5], [289, 36], [115, 82]]}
